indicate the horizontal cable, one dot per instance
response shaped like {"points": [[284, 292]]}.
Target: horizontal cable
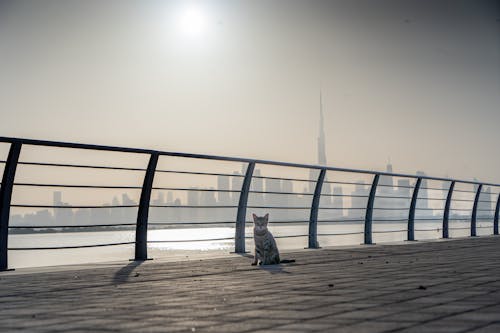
{"points": [[464, 191], [343, 183], [434, 189], [426, 219], [291, 179], [278, 207], [344, 195], [388, 231], [72, 207], [435, 229], [80, 186], [397, 186], [193, 189], [280, 222], [344, 233], [487, 201], [70, 226], [341, 208], [461, 209], [467, 228], [389, 197], [441, 199], [463, 200], [68, 247], [390, 208], [340, 221], [190, 240], [485, 210], [390, 220], [80, 166], [417, 208], [290, 236], [190, 223], [287, 193], [199, 173], [192, 206]]}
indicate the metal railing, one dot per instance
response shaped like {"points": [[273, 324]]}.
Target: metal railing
{"points": [[374, 191]]}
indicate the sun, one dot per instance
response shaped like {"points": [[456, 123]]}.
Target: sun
{"points": [[192, 21]]}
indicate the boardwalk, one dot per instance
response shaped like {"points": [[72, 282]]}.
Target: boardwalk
{"points": [[443, 286]]}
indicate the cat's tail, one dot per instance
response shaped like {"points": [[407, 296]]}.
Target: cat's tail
{"points": [[286, 261]]}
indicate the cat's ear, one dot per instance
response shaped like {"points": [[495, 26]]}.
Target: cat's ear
{"points": [[254, 217], [266, 217]]}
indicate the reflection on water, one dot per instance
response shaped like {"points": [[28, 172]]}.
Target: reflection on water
{"points": [[177, 244]]}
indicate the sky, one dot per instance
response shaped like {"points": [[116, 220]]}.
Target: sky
{"points": [[413, 82]]}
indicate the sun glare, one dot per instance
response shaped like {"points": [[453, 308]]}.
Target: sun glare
{"points": [[192, 21]]}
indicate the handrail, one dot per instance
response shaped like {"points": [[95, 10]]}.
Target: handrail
{"points": [[224, 158]]}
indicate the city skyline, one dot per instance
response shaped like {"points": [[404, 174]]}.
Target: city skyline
{"points": [[266, 192]]}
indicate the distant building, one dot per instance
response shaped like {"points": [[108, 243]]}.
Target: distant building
{"points": [[236, 184], [224, 198], [338, 202], [386, 183], [258, 186], [485, 205], [423, 194], [62, 216]]}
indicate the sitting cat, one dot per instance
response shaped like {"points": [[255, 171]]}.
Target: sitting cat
{"points": [[266, 250]]}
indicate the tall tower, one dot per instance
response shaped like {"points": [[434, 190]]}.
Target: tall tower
{"points": [[321, 153]]}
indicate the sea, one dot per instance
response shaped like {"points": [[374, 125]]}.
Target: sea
{"points": [[190, 243]]}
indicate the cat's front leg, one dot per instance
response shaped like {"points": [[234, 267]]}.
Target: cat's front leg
{"points": [[255, 260]]}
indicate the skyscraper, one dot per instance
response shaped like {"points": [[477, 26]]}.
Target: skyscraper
{"points": [[321, 154]]}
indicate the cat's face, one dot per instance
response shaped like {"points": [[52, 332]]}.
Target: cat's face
{"points": [[260, 222]]}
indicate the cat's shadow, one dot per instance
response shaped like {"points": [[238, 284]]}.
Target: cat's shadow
{"points": [[274, 269]]}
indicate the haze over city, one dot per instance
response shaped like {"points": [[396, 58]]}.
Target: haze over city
{"points": [[413, 82]]}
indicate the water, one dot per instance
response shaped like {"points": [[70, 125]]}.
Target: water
{"points": [[213, 241]]}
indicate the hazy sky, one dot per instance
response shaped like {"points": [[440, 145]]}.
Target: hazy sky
{"points": [[416, 81]]}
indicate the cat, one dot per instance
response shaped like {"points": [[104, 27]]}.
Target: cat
{"points": [[266, 250]]}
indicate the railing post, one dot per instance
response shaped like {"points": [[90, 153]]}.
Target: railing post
{"points": [[411, 214], [239, 237], [313, 218], [141, 231], [369, 210], [446, 213], [9, 173], [497, 213], [473, 217]]}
